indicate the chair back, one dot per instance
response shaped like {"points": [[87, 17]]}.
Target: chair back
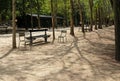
{"points": [[63, 32], [21, 36]]}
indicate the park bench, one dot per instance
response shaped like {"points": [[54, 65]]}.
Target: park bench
{"points": [[27, 35], [4, 29], [33, 37]]}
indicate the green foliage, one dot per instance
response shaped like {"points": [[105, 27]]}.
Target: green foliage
{"points": [[5, 10], [45, 7], [28, 6]]}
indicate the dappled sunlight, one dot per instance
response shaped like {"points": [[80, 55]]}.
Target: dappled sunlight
{"points": [[78, 59]]}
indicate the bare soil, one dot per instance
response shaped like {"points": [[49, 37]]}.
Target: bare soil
{"points": [[81, 58]]}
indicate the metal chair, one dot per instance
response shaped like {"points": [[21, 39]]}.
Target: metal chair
{"points": [[62, 37], [23, 39]]}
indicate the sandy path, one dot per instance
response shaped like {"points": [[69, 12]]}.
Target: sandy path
{"points": [[79, 59]]}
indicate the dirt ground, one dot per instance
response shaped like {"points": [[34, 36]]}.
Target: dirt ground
{"points": [[89, 58]]}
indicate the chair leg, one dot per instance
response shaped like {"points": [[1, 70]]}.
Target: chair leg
{"points": [[25, 44], [58, 39], [19, 44], [63, 39]]}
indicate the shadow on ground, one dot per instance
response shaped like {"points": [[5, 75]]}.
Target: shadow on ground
{"points": [[5, 55]]}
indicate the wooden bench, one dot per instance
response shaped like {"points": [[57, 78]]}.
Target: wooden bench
{"points": [[4, 28], [45, 36]]}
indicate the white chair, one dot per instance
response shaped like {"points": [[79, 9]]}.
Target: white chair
{"points": [[62, 37], [23, 39]]}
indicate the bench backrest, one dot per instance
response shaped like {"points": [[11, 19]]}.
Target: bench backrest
{"points": [[38, 30], [63, 32]]}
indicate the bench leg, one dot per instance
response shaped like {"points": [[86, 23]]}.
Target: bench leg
{"points": [[6, 30], [45, 39]]}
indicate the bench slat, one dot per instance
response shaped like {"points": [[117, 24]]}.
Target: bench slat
{"points": [[38, 36], [41, 36]]}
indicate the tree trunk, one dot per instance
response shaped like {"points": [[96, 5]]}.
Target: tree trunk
{"points": [[55, 11], [71, 19], [24, 14], [31, 14], [53, 18], [81, 16], [38, 12], [96, 19], [111, 1], [65, 14], [13, 24], [91, 14], [99, 17], [116, 8]]}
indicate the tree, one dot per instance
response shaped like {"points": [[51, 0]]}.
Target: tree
{"points": [[53, 18], [116, 9], [81, 15], [91, 14], [96, 13], [13, 24], [99, 17], [31, 5], [55, 12], [38, 12], [65, 13], [71, 19]]}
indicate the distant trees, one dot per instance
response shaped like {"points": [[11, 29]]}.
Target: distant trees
{"points": [[43, 7], [5, 10]]}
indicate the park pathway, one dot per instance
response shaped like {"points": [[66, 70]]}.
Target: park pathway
{"points": [[89, 58]]}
